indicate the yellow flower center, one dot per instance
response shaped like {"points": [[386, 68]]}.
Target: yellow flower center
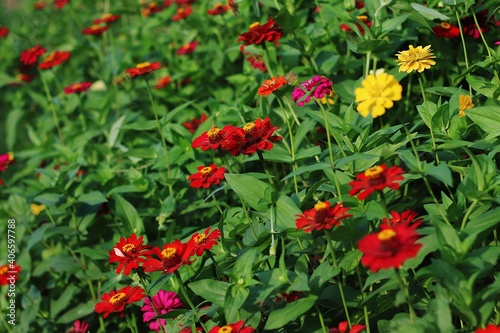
{"points": [[254, 25], [225, 329], [76, 86], [50, 57], [386, 234], [374, 172], [95, 27], [213, 133], [200, 239], [11, 156], [445, 25], [127, 248], [152, 5], [117, 299], [249, 127], [363, 18], [143, 65], [168, 253], [3, 269], [180, 10], [106, 16], [206, 171], [218, 4], [320, 206]]}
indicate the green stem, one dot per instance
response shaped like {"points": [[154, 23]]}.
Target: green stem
{"points": [[322, 322], [292, 147], [185, 294], [363, 294], [404, 288], [367, 64], [383, 203], [148, 295], [287, 101], [464, 46], [217, 204], [467, 214], [52, 107], [430, 117], [485, 44]]}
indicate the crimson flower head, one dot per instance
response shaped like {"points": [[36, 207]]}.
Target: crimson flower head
{"points": [[143, 68], [470, 28], [213, 138], [39, 5], [446, 30], [321, 217], [54, 59], [376, 179], [151, 8], [200, 243], [163, 302], [257, 62], [258, 135], [344, 328], [218, 9], [116, 301], [171, 258], [491, 328], [107, 18], [187, 48], [288, 297], [271, 85], [6, 159], [96, 29], [362, 18], [233, 6], [79, 327], [163, 82], [237, 327], [21, 77], [128, 253], [207, 176], [194, 123], [77, 87], [258, 34], [318, 86], [8, 273], [390, 247], [60, 3], [407, 217], [30, 56], [4, 31], [182, 13]]}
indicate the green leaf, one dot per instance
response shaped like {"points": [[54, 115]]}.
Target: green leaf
{"points": [[115, 130], [487, 221], [256, 193], [429, 13], [145, 153], [211, 290], [486, 117], [280, 317], [235, 298], [132, 222], [78, 312], [63, 301], [285, 212], [321, 275], [92, 198], [242, 269], [440, 172]]}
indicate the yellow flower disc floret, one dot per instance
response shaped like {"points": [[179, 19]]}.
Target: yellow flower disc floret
{"points": [[118, 299], [415, 59], [377, 93], [373, 172], [386, 234]]}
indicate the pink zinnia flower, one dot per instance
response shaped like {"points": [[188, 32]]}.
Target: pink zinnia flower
{"points": [[79, 327], [164, 301], [319, 87]]}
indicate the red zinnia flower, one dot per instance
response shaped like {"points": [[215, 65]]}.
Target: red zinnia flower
{"points": [[291, 297], [233, 328], [194, 123], [362, 18], [491, 328], [9, 273], [257, 62], [30, 56], [171, 258], [4, 31], [207, 176], [252, 137], [213, 138], [344, 328], [375, 179], [143, 68], [96, 29], [77, 87], [151, 7], [322, 216], [21, 77], [79, 327], [218, 9], [446, 30], [469, 27], [107, 18], [258, 34], [115, 301], [54, 59], [163, 82], [182, 13], [407, 217], [60, 3], [6, 159], [187, 48], [200, 243], [39, 5], [271, 85], [389, 248], [233, 6], [129, 252]]}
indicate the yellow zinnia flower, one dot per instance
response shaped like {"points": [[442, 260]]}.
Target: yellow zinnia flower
{"points": [[36, 209], [464, 103], [418, 59], [377, 94]]}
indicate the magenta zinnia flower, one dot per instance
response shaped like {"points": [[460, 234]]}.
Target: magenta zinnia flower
{"points": [[164, 301], [319, 86]]}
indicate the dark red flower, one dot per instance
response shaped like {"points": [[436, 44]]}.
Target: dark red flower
{"points": [[376, 179], [163, 82], [187, 48], [151, 8], [200, 243], [9, 273], [54, 59], [4, 31], [359, 4], [116, 301], [171, 258], [129, 252], [321, 217], [60, 3], [194, 123], [143, 68], [407, 217], [344, 328], [233, 328], [213, 138], [182, 13], [77, 87], [470, 28], [79, 327], [288, 297], [362, 18], [446, 30], [6, 159], [491, 328], [257, 62], [107, 18], [21, 77], [96, 29], [252, 137], [218, 9], [233, 6], [207, 176], [40, 5], [390, 247], [258, 34], [30, 56]]}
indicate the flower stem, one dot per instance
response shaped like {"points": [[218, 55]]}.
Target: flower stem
{"points": [[404, 288], [292, 146], [430, 117], [367, 64], [322, 322], [485, 44], [52, 107], [184, 293], [464, 46], [143, 283], [467, 214]]}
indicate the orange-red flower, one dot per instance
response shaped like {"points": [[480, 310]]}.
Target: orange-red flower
{"points": [[344, 328], [187, 48], [200, 243], [258, 135], [96, 29], [40, 5], [237, 327], [271, 85], [171, 258], [376, 179], [207, 176], [194, 123], [257, 62], [362, 18], [129, 252], [30, 56], [213, 138], [258, 34], [107, 18], [54, 59], [446, 30], [407, 217], [491, 328], [233, 6], [4, 31], [163, 82], [77, 87], [218, 9], [143, 68], [321, 217], [116, 301], [60, 3], [6, 159], [9, 273], [151, 8], [390, 247], [182, 13], [21, 78]]}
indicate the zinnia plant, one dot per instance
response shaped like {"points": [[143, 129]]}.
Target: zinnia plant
{"points": [[163, 302], [116, 301], [376, 94], [415, 59], [376, 179]]}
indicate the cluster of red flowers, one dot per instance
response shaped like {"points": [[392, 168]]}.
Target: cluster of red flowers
{"points": [[4, 31], [6, 159]]}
